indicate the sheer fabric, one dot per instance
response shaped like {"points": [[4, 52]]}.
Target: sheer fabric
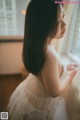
{"points": [[31, 101]]}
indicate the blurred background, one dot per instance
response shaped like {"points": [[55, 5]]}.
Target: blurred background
{"points": [[12, 17]]}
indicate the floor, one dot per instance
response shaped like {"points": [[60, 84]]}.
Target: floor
{"points": [[7, 85]]}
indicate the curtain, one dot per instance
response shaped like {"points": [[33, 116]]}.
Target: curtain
{"points": [[68, 8], [72, 94]]}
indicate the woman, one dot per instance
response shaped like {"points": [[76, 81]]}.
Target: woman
{"points": [[39, 96]]}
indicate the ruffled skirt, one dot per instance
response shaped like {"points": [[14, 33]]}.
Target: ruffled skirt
{"points": [[30, 101]]}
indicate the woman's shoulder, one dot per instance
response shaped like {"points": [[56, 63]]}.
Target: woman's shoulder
{"points": [[51, 57], [50, 63]]}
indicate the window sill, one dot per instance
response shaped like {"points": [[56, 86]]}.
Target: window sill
{"points": [[74, 58], [69, 58]]}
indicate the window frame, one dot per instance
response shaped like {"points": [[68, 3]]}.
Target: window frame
{"points": [[18, 35], [70, 37]]}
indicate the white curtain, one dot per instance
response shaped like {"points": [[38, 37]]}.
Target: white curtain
{"points": [[72, 95], [69, 12]]}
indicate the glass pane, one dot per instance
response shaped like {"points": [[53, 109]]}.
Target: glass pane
{"points": [[8, 4], [1, 4], [76, 43], [12, 17]]}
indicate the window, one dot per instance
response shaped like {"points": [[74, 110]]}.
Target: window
{"points": [[71, 41], [7, 18], [11, 17], [75, 48], [8, 4]]}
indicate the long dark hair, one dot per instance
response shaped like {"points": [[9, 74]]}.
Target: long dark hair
{"points": [[40, 24]]}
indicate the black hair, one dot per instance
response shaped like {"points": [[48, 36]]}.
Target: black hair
{"points": [[40, 24]]}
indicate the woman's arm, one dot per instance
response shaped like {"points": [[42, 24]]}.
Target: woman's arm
{"points": [[51, 79], [65, 68]]}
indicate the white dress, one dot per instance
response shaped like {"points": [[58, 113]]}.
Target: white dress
{"points": [[31, 101]]}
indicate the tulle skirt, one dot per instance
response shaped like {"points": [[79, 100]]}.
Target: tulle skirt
{"points": [[31, 101]]}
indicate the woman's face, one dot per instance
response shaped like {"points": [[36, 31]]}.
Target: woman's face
{"points": [[61, 24]]}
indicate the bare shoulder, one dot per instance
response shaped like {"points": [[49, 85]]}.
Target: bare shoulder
{"points": [[51, 64], [50, 74], [51, 58]]}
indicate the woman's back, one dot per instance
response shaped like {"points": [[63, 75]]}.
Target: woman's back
{"points": [[32, 101]]}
